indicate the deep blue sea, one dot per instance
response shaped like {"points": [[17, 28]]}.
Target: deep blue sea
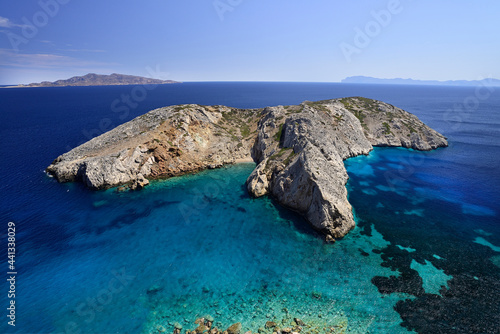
{"points": [[424, 257]]}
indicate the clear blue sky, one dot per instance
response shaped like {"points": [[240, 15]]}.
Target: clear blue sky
{"points": [[249, 40]]}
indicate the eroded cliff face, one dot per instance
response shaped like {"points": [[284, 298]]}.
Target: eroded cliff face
{"points": [[299, 150], [164, 142]]}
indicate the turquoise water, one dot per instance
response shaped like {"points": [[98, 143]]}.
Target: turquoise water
{"points": [[435, 240], [199, 245], [424, 256]]}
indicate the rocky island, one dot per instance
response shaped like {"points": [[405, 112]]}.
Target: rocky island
{"points": [[299, 150], [93, 79]]}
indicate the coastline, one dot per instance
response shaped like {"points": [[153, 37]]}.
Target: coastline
{"points": [[289, 144], [116, 84], [243, 160]]}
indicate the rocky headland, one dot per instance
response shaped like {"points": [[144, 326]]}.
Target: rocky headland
{"points": [[299, 150]]}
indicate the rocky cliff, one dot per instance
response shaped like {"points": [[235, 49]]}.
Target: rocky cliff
{"points": [[299, 150], [164, 142]]}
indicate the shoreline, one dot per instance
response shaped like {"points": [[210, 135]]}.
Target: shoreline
{"points": [[117, 84], [243, 160]]}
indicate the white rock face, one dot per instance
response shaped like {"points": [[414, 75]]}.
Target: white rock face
{"points": [[257, 183], [164, 142], [304, 165], [313, 182]]}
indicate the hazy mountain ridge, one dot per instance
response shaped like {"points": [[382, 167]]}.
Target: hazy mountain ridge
{"points": [[400, 81], [93, 79]]}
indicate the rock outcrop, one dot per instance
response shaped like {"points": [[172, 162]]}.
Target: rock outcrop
{"points": [[164, 142], [299, 150]]}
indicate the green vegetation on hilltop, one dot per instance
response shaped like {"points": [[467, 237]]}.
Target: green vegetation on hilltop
{"points": [[277, 136]]}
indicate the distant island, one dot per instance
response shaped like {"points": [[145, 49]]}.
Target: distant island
{"points": [[399, 81], [93, 79]]}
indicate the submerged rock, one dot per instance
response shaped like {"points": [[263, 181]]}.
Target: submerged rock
{"points": [[299, 322], [270, 324], [234, 328], [201, 329], [299, 150], [139, 182], [154, 289], [209, 320], [177, 328]]}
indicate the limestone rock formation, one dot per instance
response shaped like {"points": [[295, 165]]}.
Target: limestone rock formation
{"points": [[164, 142], [299, 150], [234, 328]]}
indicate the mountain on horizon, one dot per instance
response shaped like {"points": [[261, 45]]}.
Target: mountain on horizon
{"points": [[92, 79], [400, 81]]}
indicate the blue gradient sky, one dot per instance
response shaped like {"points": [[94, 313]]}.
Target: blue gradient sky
{"points": [[255, 40]]}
